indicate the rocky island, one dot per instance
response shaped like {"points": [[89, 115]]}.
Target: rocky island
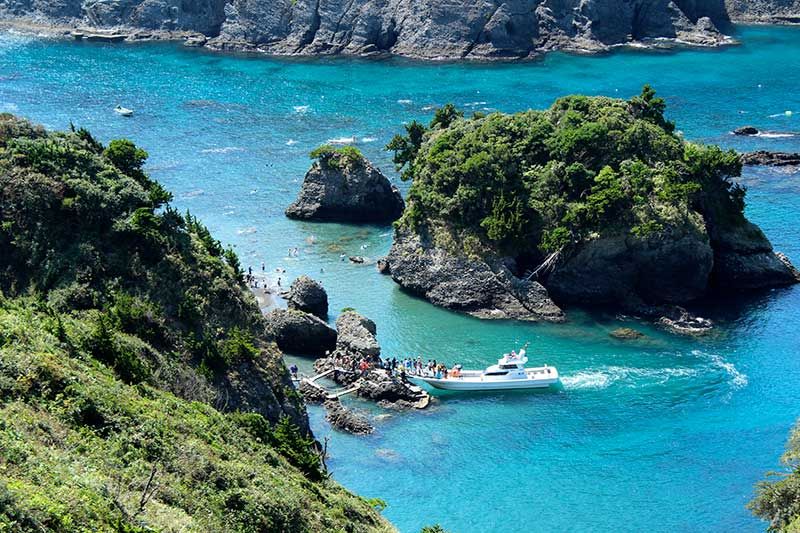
{"points": [[135, 373], [343, 186], [594, 201], [412, 28]]}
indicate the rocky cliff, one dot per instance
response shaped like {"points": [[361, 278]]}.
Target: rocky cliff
{"points": [[441, 29]]}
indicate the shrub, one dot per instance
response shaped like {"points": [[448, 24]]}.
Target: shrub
{"points": [[343, 157]]}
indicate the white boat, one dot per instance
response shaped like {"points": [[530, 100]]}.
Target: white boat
{"points": [[124, 111], [508, 373]]}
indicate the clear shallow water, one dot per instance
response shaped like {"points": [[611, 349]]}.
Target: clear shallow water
{"points": [[664, 434]]}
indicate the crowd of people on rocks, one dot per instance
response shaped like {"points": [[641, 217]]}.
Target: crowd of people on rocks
{"points": [[408, 366]]}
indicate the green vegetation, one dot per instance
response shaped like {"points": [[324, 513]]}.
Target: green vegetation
{"points": [[137, 390], [541, 180], [778, 499], [342, 157]]}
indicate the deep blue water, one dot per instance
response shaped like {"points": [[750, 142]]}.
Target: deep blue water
{"points": [[666, 434]]}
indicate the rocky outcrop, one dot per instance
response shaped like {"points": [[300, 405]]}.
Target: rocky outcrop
{"points": [[479, 287], [356, 342], [764, 11], [346, 419], [679, 320], [746, 131], [390, 391], [308, 296], [670, 267], [646, 276], [744, 259], [442, 29], [772, 159], [626, 334], [349, 192], [298, 332], [356, 336]]}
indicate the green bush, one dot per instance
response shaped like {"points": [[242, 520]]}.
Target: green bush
{"points": [[343, 157]]}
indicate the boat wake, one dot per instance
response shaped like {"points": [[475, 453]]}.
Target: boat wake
{"points": [[738, 379], [604, 377], [632, 377]]}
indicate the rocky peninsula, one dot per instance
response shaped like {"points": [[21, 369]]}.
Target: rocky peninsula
{"points": [[410, 28], [594, 201]]}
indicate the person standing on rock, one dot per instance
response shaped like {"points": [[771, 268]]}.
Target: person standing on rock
{"points": [[293, 371]]}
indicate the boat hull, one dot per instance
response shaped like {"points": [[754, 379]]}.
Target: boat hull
{"points": [[487, 385]]}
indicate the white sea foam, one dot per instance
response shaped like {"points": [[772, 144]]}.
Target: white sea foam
{"points": [[224, 150], [474, 104], [8, 107], [341, 140], [632, 377], [428, 107], [405, 102], [368, 139], [301, 108], [774, 135], [291, 142], [247, 231], [738, 379]]}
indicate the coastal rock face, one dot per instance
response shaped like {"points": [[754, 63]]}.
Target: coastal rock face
{"points": [[356, 336], [469, 285], [355, 192], [203, 16], [299, 332], [672, 267], [346, 419], [744, 259], [764, 11], [308, 296], [456, 28], [442, 29], [772, 159]]}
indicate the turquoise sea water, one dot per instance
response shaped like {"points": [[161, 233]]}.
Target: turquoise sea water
{"points": [[665, 434]]}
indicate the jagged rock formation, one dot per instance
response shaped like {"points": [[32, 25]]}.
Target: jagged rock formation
{"points": [[308, 296], [764, 11], [356, 341], [448, 29], [772, 159], [356, 336], [482, 287], [346, 188], [298, 332], [346, 419]]}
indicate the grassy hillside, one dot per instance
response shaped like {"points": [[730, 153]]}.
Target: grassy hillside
{"points": [[137, 390]]}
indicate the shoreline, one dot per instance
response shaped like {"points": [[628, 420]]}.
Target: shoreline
{"points": [[193, 39]]}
